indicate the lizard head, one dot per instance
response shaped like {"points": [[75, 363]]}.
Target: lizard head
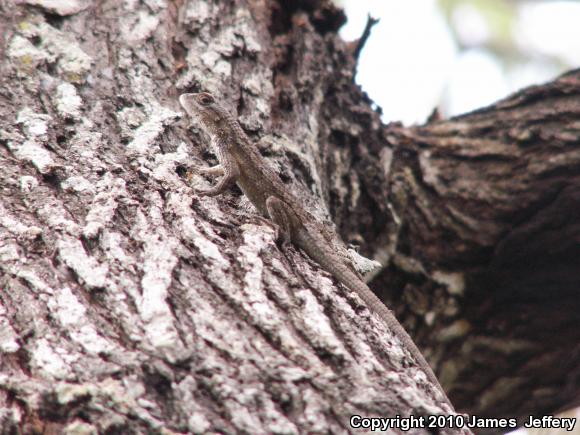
{"points": [[203, 108]]}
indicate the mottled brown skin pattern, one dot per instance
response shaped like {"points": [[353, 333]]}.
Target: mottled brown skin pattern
{"points": [[241, 163]]}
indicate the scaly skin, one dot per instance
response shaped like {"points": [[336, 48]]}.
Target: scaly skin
{"points": [[241, 163]]}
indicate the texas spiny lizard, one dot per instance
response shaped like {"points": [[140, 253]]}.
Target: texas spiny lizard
{"points": [[241, 163]]}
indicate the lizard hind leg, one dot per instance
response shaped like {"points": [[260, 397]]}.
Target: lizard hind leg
{"points": [[339, 248], [277, 211]]}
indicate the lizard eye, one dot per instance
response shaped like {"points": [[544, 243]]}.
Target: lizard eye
{"points": [[205, 99]]}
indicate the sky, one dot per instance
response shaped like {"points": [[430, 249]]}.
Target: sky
{"points": [[412, 63]]}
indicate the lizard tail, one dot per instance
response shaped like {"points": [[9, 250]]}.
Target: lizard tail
{"points": [[334, 264]]}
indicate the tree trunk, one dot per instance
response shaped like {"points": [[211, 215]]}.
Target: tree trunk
{"points": [[488, 208], [130, 305]]}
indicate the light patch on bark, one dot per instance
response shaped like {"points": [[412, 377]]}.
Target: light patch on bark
{"points": [[149, 131], [258, 306], [79, 427], [129, 118], [9, 252], [202, 235], [158, 262], [78, 184], [197, 421], [213, 67], [55, 45], [86, 146], [68, 102], [88, 270], [104, 204], [206, 247], [16, 227], [8, 337], [502, 389], [57, 218], [245, 29], [164, 169], [255, 240], [35, 126], [32, 278], [254, 84], [60, 7], [25, 53], [314, 412], [316, 326], [500, 347], [280, 143], [111, 243], [28, 183], [53, 362], [72, 316], [259, 87], [212, 60], [32, 151], [138, 27], [196, 14]]}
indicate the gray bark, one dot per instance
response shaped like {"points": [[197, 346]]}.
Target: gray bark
{"points": [[488, 204], [130, 305]]}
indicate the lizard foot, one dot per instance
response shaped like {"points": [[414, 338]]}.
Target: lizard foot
{"points": [[279, 238]]}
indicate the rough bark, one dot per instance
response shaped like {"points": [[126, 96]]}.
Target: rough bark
{"points": [[129, 305], [488, 206]]}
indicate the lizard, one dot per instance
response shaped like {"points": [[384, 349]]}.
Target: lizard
{"points": [[241, 163]]}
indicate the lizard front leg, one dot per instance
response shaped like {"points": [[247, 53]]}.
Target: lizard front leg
{"points": [[212, 170], [224, 184], [230, 170]]}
